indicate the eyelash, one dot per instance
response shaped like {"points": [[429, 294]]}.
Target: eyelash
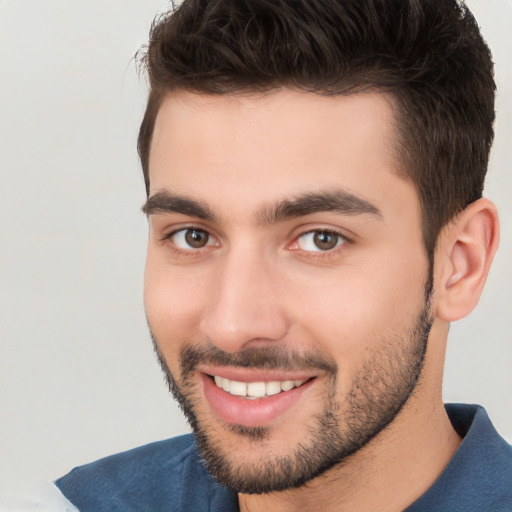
{"points": [[342, 240], [179, 251]]}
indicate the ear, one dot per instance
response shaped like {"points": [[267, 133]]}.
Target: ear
{"points": [[463, 258]]}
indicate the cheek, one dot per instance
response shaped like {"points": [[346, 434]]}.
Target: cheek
{"points": [[351, 315], [172, 301]]}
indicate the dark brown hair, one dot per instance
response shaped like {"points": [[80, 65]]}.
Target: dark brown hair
{"points": [[427, 54]]}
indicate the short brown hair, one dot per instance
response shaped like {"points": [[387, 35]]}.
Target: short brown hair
{"points": [[428, 55]]}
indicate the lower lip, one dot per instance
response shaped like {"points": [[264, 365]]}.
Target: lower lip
{"points": [[236, 410]]}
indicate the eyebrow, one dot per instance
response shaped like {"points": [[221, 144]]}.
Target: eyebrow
{"points": [[167, 202], [337, 200]]}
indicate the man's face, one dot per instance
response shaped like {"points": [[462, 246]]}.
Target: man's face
{"points": [[287, 288]]}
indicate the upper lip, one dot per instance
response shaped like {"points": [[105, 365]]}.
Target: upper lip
{"points": [[254, 374]]}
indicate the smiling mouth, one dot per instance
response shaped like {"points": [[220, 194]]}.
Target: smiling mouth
{"points": [[255, 400], [255, 390]]}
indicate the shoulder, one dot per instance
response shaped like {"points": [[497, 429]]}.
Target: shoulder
{"points": [[482, 447], [150, 478], [123, 468], [479, 476]]}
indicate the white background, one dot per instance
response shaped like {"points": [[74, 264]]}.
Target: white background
{"points": [[78, 378]]}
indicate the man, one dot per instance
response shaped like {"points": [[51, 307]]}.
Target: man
{"points": [[314, 171]]}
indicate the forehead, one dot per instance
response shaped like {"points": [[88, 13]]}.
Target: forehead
{"points": [[267, 147]]}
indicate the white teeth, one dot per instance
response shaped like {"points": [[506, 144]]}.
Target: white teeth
{"points": [[226, 385], [256, 389], [287, 385], [238, 388], [272, 388]]}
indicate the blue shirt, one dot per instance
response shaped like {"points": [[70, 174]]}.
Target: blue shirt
{"points": [[170, 476]]}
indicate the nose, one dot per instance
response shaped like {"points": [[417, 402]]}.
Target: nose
{"points": [[245, 308]]}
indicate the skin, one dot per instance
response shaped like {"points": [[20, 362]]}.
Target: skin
{"points": [[259, 283]]}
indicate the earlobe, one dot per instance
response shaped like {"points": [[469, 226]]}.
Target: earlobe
{"points": [[465, 253]]}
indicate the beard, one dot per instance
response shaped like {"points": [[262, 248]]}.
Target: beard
{"points": [[380, 389]]}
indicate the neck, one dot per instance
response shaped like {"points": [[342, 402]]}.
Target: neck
{"points": [[388, 474]]}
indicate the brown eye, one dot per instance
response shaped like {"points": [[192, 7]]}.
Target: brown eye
{"points": [[320, 240], [196, 238], [191, 238], [325, 240]]}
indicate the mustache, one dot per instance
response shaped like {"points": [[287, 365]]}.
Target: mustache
{"points": [[264, 358]]}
